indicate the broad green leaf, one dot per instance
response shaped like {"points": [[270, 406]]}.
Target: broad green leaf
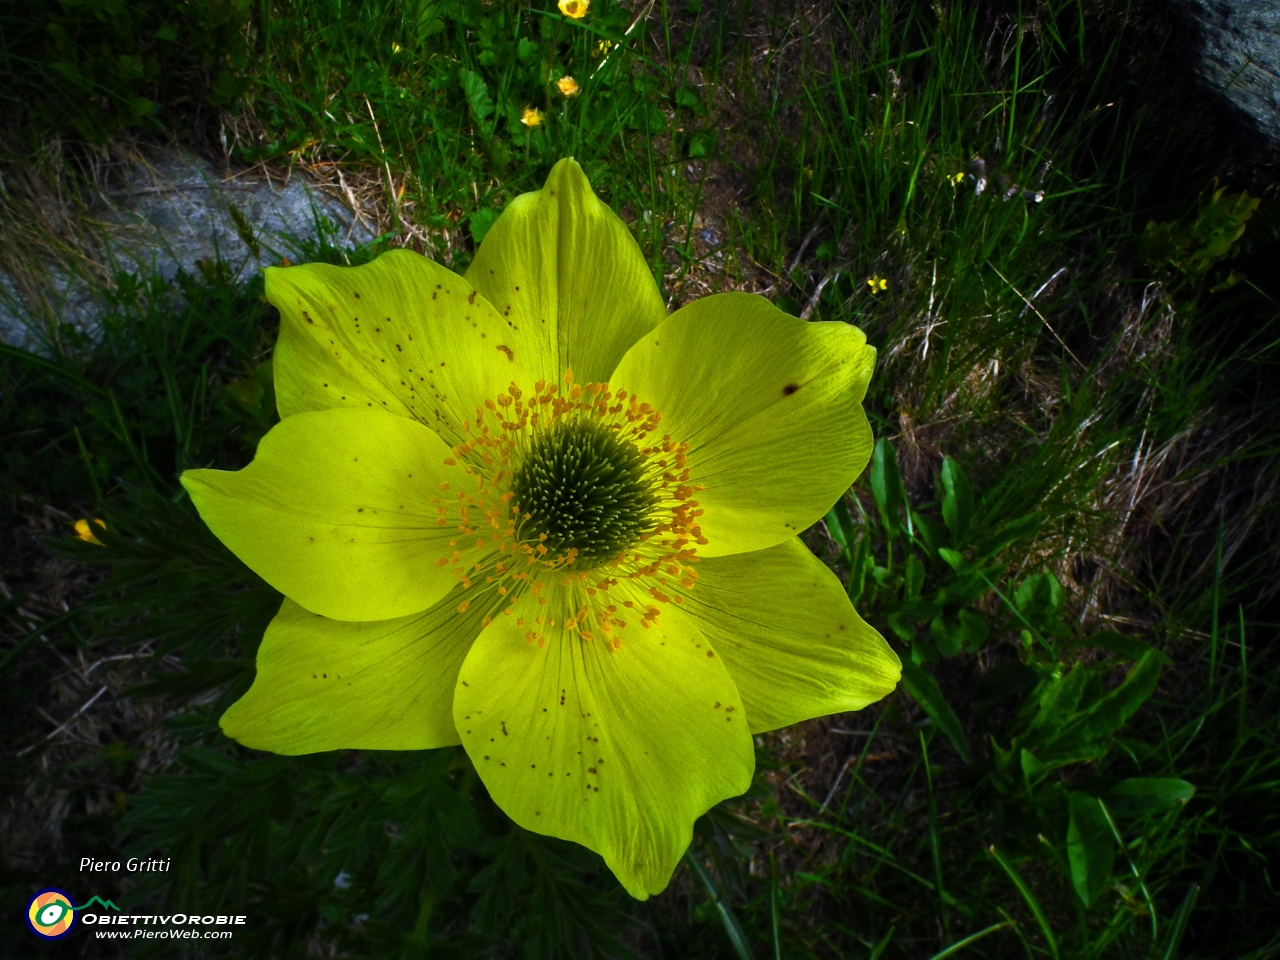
{"points": [[1091, 849], [478, 99], [957, 504], [1129, 648], [1032, 768], [924, 690], [1140, 795], [946, 636], [1040, 599], [914, 579], [974, 627], [886, 485], [1110, 713]]}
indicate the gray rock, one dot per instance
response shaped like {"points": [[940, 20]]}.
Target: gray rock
{"points": [[1241, 56], [170, 214]]}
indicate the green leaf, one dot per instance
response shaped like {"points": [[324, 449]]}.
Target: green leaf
{"points": [[924, 690], [957, 504], [886, 485], [481, 221], [1032, 768], [1040, 599], [1128, 648], [478, 99], [1091, 847], [1111, 712], [526, 49], [974, 628], [1141, 795], [688, 98]]}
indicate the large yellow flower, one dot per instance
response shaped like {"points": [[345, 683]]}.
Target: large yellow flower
{"points": [[527, 511]]}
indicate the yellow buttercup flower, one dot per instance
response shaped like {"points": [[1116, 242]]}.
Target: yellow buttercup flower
{"points": [[878, 284], [526, 511], [532, 117], [577, 9], [601, 48], [568, 87], [85, 532], [956, 177]]}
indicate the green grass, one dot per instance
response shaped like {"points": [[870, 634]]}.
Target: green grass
{"points": [[1065, 529]]}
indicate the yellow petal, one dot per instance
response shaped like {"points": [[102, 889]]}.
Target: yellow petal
{"points": [[336, 512], [330, 685], [401, 334], [561, 262], [771, 407], [795, 647], [618, 749]]}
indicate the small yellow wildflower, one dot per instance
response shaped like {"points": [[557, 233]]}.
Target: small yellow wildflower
{"points": [[577, 9], [532, 117], [602, 47], [396, 48], [568, 87], [85, 532], [878, 284], [956, 177]]}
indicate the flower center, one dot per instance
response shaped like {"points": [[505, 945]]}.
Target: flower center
{"points": [[572, 486], [585, 489]]}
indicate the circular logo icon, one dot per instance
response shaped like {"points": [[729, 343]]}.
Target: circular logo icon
{"points": [[50, 915]]}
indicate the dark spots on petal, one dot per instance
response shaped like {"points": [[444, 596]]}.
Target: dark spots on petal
{"points": [[325, 676], [789, 389], [591, 769], [307, 317], [505, 351], [472, 298], [716, 706], [729, 709], [486, 758], [355, 294], [399, 349], [711, 653]]}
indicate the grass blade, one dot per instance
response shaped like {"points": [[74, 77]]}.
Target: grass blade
{"points": [[1032, 903]]}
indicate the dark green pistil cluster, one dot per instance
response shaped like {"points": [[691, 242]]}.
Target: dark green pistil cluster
{"points": [[585, 489]]}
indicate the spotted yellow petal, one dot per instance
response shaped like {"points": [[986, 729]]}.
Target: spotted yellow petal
{"points": [[401, 334], [326, 684], [560, 261], [794, 645], [617, 748], [770, 405], [340, 510]]}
